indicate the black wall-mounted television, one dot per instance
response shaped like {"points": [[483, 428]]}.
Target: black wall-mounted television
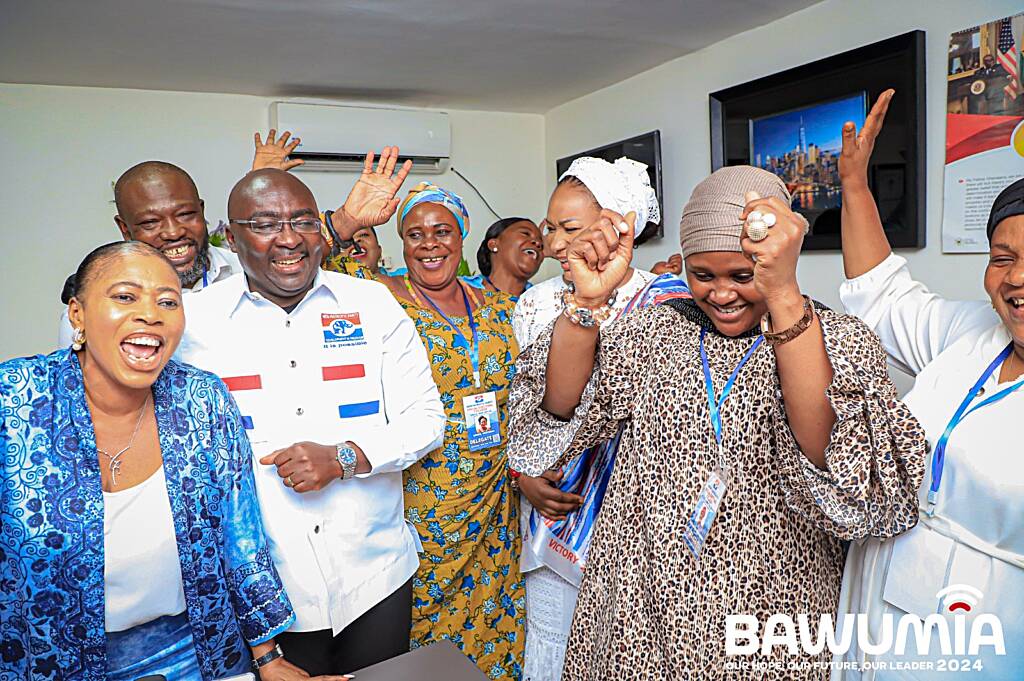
{"points": [[643, 148], [791, 124]]}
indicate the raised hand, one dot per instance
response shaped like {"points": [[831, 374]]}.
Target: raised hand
{"points": [[599, 257], [373, 199], [274, 154], [674, 264], [776, 255], [856, 152]]}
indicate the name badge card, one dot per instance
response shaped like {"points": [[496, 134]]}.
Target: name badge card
{"points": [[704, 513], [482, 426]]}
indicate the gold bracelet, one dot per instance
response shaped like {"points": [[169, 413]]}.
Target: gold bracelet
{"points": [[792, 332]]}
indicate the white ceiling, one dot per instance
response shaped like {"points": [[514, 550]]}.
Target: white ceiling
{"points": [[508, 55]]}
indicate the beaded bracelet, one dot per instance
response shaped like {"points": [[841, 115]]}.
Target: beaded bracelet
{"points": [[584, 316]]}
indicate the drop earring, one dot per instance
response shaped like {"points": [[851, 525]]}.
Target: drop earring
{"points": [[78, 340]]}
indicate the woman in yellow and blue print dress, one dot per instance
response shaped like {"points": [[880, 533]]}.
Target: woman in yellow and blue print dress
{"points": [[460, 497]]}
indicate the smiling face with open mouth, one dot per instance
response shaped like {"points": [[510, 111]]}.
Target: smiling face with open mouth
{"points": [[162, 208], [130, 311], [431, 245], [366, 249], [1004, 276], [722, 284], [520, 249], [282, 266]]}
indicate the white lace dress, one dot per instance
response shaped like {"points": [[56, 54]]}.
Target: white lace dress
{"points": [[550, 600]]}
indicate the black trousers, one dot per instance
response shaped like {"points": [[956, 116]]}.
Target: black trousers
{"points": [[382, 632]]}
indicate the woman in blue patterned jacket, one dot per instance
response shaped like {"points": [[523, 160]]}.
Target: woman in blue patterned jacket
{"points": [[130, 536]]}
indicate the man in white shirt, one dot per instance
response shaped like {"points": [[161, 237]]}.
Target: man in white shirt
{"points": [[158, 204], [336, 393]]}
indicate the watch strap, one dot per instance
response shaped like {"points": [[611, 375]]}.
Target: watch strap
{"points": [[264, 660], [346, 457]]}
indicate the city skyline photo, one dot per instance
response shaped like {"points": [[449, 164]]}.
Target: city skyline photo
{"points": [[802, 147]]}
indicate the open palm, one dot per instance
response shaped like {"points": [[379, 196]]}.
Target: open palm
{"points": [[373, 199], [274, 154]]}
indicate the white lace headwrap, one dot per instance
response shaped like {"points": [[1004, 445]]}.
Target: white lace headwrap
{"points": [[622, 186]]}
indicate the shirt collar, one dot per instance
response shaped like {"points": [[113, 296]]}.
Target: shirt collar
{"points": [[243, 296]]}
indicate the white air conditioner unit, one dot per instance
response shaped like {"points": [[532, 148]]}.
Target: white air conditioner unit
{"points": [[336, 138]]}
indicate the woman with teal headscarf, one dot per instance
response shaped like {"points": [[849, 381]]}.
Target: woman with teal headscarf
{"points": [[460, 497]]}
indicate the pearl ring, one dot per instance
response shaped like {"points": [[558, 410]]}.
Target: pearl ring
{"points": [[758, 224]]}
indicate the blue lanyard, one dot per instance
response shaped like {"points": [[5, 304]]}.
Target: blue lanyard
{"points": [[474, 349], [962, 412], [205, 282], [715, 404]]}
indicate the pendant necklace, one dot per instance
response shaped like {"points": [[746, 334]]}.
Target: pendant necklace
{"points": [[115, 459]]}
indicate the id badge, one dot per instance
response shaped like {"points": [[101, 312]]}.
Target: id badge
{"points": [[699, 525], [482, 426]]}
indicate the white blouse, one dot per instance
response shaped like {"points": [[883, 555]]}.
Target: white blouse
{"points": [[976, 535], [142, 573], [541, 304]]}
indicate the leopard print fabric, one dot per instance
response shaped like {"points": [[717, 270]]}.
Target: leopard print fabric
{"points": [[647, 608]]}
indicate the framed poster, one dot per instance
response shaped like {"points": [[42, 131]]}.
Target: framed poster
{"points": [[790, 123]]}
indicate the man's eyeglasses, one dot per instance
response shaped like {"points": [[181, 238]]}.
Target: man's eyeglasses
{"points": [[264, 227]]}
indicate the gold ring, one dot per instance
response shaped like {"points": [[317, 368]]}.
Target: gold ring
{"points": [[288, 481]]}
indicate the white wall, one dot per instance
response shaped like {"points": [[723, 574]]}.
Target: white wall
{"points": [[673, 97], [64, 146]]}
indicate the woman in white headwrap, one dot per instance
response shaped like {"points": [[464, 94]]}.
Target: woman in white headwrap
{"points": [[756, 432], [561, 504]]}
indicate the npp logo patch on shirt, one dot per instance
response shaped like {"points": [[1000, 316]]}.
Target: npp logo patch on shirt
{"points": [[342, 329]]}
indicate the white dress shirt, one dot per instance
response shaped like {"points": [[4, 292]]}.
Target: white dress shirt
{"points": [[345, 365], [223, 263], [976, 536]]}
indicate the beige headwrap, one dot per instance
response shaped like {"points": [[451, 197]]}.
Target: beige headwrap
{"points": [[711, 218]]}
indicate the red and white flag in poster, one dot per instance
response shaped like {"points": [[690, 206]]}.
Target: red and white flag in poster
{"points": [[984, 128]]}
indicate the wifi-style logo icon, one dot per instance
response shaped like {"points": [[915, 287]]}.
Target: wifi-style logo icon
{"points": [[959, 597]]}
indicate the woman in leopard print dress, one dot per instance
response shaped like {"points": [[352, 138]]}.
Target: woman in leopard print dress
{"points": [[815, 447]]}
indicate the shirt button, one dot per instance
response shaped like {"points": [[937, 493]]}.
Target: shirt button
{"points": [[316, 530], [293, 364], [287, 323], [299, 411]]}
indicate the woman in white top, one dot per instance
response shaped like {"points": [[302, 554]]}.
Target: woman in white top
{"points": [[131, 539], [964, 562], [554, 502]]}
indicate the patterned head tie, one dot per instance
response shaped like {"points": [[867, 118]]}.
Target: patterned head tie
{"points": [[1008, 204], [711, 218], [425, 192], [623, 187]]}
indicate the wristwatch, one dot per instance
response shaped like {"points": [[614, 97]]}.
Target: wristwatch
{"points": [[274, 654], [347, 460]]}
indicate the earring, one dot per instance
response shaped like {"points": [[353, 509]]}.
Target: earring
{"points": [[78, 340], [494, 250]]}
